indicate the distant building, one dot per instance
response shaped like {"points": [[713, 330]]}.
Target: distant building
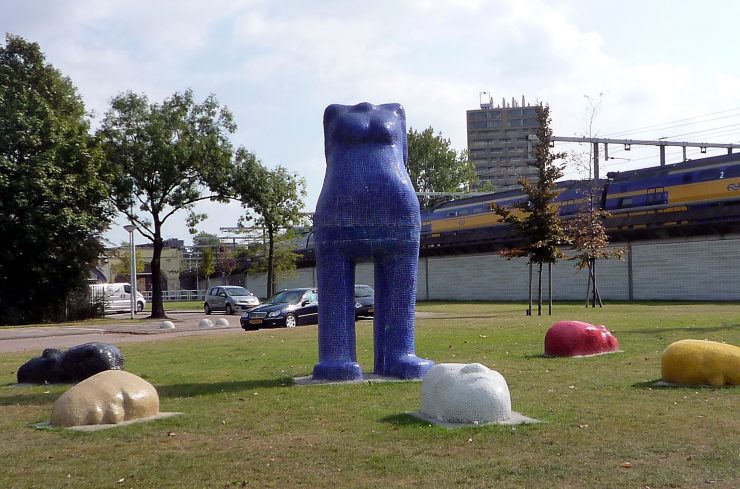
{"points": [[499, 141]]}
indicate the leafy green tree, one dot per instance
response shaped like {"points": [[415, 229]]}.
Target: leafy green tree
{"points": [[536, 221], [208, 265], [162, 158], [122, 267], [53, 200], [276, 199], [435, 167], [284, 257]]}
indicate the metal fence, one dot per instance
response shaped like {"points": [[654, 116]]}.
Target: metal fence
{"points": [[176, 295]]}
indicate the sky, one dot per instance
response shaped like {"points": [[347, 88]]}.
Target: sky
{"points": [[632, 69]]}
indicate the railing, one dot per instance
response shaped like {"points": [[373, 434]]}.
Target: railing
{"points": [[176, 295]]}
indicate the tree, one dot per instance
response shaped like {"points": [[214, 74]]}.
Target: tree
{"points": [[588, 235], [162, 158], [284, 257], [122, 268], [53, 199], [226, 263], [435, 167], [208, 265], [536, 221], [587, 231], [276, 198]]}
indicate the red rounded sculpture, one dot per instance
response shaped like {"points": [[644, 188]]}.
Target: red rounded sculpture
{"points": [[576, 338]]}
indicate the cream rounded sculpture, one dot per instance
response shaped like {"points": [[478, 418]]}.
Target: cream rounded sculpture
{"points": [[110, 397], [699, 362], [465, 393]]}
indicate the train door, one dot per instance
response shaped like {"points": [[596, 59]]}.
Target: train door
{"points": [[656, 196]]}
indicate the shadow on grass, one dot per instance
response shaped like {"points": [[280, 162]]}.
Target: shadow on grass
{"points": [[683, 329], [659, 384], [403, 419], [29, 399], [206, 388]]}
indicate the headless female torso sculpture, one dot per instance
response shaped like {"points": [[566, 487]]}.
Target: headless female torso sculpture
{"points": [[367, 210]]}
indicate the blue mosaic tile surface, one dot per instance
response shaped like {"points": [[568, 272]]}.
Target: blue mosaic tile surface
{"points": [[367, 210]]}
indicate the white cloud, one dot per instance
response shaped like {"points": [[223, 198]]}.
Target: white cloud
{"points": [[278, 64]]}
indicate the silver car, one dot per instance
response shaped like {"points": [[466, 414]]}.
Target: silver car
{"points": [[230, 299]]}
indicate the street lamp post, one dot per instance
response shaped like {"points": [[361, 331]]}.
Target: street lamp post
{"points": [[132, 259]]}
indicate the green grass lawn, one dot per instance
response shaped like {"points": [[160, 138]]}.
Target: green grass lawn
{"points": [[245, 425]]}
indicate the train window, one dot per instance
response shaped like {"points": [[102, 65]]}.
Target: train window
{"points": [[655, 196], [732, 171], [706, 175], [625, 202]]}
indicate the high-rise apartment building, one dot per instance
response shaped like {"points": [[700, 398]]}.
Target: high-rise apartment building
{"points": [[500, 140]]}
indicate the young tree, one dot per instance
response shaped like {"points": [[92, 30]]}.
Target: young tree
{"points": [[53, 199], [162, 158], [589, 238], [284, 257], [226, 263], [276, 198], [208, 265], [587, 231], [122, 268], [435, 167], [536, 221]]}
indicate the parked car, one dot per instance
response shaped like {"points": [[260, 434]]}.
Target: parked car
{"points": [[364, 301], [230, 299], [286, 309], [115, 297]]}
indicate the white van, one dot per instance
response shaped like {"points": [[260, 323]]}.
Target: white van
{"points": [[116, 297]]}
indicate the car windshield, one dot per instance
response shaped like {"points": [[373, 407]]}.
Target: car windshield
{"points": [[237, 291], [364, 291], [289, 296]]}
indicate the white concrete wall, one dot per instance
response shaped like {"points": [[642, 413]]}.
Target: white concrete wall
{"points": [[675, 269]]}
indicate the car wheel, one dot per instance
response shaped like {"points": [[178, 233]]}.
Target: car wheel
{"points": [[207, 308], [229, 310], [139, 306], [290, 321]]}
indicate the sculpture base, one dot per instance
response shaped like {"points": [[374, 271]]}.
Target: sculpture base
{"points": [[407, 368], [341, 371], [513, 420]]}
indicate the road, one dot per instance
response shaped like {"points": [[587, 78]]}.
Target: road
{"points": [[113, 329]]}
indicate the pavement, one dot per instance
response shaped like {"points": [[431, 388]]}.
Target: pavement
{"points": [[114, 329]]}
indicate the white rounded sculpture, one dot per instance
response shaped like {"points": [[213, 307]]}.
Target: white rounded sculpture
{"points": [[222, 322], [109, 397], [167, 325], [465, 393], [205, 323]]}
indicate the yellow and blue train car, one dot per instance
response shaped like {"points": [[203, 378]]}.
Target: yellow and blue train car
{"points": [[693, 197], [683, 198]]}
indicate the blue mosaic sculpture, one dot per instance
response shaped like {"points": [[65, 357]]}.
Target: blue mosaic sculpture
{"points": [[367, 210]]}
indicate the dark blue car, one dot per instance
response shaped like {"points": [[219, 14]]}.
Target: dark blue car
{"points": [[286, 309], [364, 301]]}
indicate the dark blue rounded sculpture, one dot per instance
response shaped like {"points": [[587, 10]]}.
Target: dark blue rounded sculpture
{"points": [[73, 365], [367, 210]]}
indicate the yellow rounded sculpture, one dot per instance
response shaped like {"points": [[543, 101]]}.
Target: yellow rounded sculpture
{"points": [[697, 362], [109, 397]]}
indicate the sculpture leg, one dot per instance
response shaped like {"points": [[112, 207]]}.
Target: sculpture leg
{"points": [[393, 324], [337, 353]]}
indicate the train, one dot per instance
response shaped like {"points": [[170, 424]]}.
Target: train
{"points": [[697, 197]]}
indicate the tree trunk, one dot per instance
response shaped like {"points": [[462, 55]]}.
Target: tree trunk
{"points": [[549, 288], [270, 263], [529, 309], [539, 290], [593, 282], [157, 305]]}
